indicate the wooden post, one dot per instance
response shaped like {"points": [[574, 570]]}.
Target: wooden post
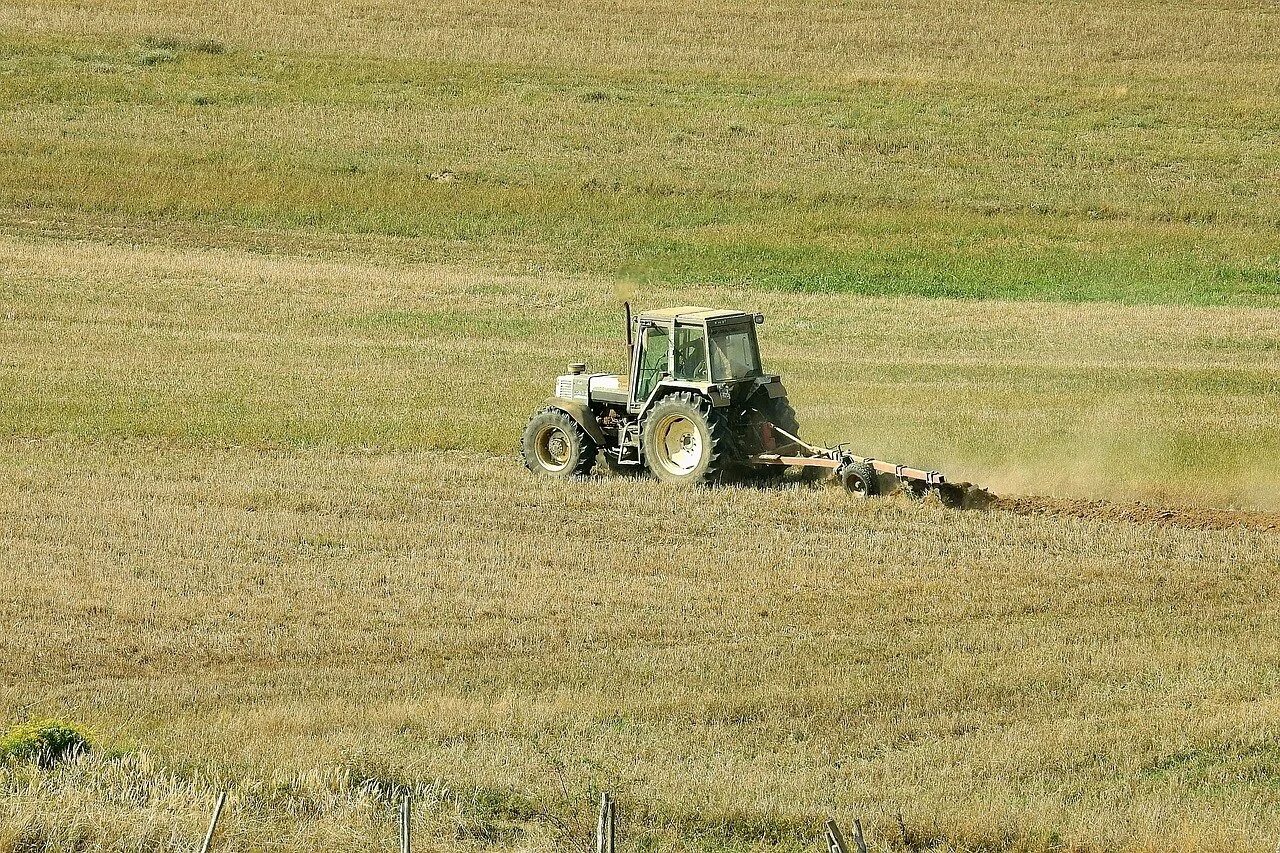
{"points": [[604, 825], [857, 836], [613, 826], [406, 812], [835, 839], [213, 822]]}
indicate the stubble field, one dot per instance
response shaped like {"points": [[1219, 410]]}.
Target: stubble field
{"points": [[263, 522], [279, 286]]}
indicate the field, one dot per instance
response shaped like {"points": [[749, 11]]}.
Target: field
{"points": [[280, 285], [1015, 149]]}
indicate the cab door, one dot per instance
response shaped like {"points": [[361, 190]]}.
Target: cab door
{"points": [[652, 362]]}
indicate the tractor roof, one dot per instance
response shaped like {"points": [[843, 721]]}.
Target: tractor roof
{"points": [[691, 314]]}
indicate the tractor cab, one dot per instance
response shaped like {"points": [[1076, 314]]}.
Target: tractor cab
{"points": [[698, 348]]}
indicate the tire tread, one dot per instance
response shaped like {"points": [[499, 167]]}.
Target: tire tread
{"points": [[587, 449]]}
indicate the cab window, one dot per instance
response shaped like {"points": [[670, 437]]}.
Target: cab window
{"points": [[653, 360], [734, 354], [691, 354]]}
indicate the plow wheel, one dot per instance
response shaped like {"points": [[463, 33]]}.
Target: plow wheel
{"points": [[555, 446], [684, 440], [859, 479]]}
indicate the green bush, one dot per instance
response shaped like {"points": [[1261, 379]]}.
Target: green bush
{"points": [[158, 56], [176, 45], [44, 742]]}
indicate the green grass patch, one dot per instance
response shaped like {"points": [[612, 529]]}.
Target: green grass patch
{"points": [[940, 188]]}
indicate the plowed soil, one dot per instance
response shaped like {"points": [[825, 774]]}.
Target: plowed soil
{"points": [[1141, 513]]}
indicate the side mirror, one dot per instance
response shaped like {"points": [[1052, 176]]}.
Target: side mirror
{"points": [[759, 318], [577, 368]]}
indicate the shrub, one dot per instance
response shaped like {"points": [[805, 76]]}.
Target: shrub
{"points": [[44, 742], [157, 56], [213, 47]]}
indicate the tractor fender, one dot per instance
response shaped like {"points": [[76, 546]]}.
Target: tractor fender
{"points": [[668, 386], [775, 390], [581, 414]]}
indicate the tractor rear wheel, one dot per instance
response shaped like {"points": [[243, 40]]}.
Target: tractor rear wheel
{"points": [[554, 445], [684, 440], [765, 413], [779, 412]]}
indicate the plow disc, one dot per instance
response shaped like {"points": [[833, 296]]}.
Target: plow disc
{"points": [[865, 476]]}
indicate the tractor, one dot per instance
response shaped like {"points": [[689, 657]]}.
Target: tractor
{"points": [[696, 408]]}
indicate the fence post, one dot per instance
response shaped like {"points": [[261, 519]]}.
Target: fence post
{"points": [[213, 822], [857, 836], [406, 813], [835, 839], [613, 831], [604, 825]]}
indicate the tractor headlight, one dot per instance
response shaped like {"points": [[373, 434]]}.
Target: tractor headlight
{"points": [[726, 392]]}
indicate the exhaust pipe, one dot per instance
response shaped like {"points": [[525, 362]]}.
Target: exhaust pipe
{"points": [[626, 308]]}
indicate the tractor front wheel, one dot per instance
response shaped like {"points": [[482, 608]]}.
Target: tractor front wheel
{"points": [[684, 440], [554, 445]]}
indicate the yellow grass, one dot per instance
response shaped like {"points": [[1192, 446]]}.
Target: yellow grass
{"points": [[1196, 44], [280, 283], [238, 544], [1162, 403], [1021, 150], [734, 664]]}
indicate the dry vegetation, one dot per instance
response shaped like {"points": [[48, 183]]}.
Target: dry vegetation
{"points": [[302, 622], [237, 545], [1059, 150], [279, 284], [1164, 403]]}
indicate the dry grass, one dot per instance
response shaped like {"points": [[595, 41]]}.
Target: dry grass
{"points": [[1194, 45], [236, 539], [734, 664], [279, 284]]}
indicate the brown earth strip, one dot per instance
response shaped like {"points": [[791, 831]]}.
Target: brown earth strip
{"points": [[1140, 513]]}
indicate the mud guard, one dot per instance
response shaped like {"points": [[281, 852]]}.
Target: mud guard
{"points": [[581, 414]]}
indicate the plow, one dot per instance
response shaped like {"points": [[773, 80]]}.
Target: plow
{"points": [[697, 407], [865, 476]]}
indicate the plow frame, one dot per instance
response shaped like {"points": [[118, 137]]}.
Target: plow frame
{"points": [[800, 453]]}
